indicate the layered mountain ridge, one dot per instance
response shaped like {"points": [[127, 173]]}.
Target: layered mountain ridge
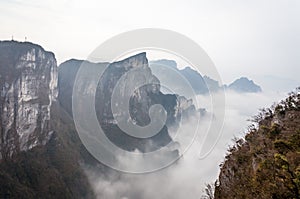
{"points": [[200, 84]]}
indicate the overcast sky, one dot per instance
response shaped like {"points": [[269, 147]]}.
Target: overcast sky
{"points": [[244, 38]]}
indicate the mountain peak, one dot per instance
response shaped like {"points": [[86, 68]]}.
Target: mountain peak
{"points": [[243, 84], [135, 61]]}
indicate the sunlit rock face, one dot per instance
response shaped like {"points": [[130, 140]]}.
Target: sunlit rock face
{"points": [[28, 87]]}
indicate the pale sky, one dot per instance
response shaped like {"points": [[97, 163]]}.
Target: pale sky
{"points": [[254, 38]]}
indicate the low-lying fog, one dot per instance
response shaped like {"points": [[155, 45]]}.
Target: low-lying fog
{"points": [[187, 177]]}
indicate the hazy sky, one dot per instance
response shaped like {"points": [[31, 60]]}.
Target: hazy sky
{"points": [[252, 38]]}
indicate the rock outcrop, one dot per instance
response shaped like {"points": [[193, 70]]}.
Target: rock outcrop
{"points": [[28, 83]]}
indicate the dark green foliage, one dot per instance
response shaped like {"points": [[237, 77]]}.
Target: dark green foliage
{"points": [[50, 172]]}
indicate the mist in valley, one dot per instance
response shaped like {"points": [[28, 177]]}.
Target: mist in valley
{"points": [[188, 176]]}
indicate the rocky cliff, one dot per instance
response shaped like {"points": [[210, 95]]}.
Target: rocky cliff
{"points": [[28, 83], [139, 104], [40, 150]]}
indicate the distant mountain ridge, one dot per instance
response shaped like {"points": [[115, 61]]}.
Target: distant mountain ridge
{"points": [[200, 84]]}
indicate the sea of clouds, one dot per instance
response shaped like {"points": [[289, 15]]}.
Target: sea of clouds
{"points": [[187, 177]]}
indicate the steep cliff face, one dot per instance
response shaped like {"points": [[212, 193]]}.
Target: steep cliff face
{"points": [[139, 104], [40, 149], [28, 83], [267, 163], [141, 99]]}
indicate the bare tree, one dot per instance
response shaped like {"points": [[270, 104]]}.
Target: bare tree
{"points": [[209, 191]]}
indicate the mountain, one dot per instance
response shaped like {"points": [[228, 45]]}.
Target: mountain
{"points": [[266, 164], [67, 72], [179, 79], [40, 150], [244, 85], [41, 154], [139, 104]]}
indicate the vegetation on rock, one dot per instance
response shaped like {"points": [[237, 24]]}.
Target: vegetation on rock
{"points": [[266, 163]]}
